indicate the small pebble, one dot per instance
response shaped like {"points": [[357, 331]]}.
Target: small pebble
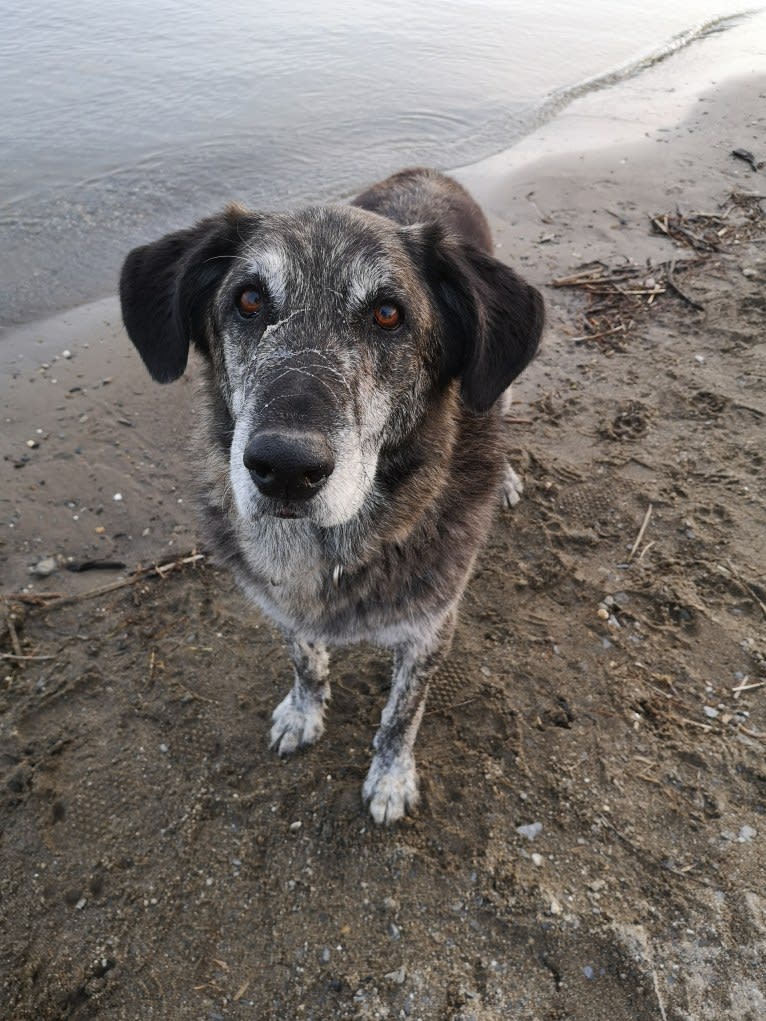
{"points": [[117, 497], [397, 977], [602, 613], [66, 354], [32, 444], [295, 826], [746, 834], [530, 830], [537, 859], [45, 567], [710, 712]]}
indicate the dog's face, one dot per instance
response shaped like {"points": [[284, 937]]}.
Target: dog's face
{"points": [[325, 335], [329, 332]]}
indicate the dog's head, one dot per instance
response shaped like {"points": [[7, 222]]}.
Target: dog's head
{"points": [[330, 333]]}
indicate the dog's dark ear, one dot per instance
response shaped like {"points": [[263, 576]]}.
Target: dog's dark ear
{"points": [[166, 287], [492, 321]]}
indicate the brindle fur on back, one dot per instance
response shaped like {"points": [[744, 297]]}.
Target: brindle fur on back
{"points": [[352, 466]]}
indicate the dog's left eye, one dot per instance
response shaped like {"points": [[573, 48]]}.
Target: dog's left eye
{"points": [[250, 302], [387, 315]]}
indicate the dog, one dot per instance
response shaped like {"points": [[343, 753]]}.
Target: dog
{"points": [[356, 362]]}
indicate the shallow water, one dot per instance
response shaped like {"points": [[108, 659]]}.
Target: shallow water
{"points": [[124, 119]]}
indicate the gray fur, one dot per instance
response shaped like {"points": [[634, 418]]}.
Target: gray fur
{"points": [[382, 552]]}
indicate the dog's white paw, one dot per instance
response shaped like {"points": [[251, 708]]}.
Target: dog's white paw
{"points": [[512, 487], [296, 723], [391, 789]]}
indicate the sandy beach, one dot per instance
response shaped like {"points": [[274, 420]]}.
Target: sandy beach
{"points": [[591, 840]]}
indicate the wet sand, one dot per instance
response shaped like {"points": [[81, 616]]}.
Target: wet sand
{"points": [[591, 691]]}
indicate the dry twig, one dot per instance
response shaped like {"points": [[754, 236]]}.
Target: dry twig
{"points": [[618, 294], [681, 294], [160, 569], [13, 635], [641, 531], [23, 659]]}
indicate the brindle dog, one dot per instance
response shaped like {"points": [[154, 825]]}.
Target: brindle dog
{"points": [[355, 364]]}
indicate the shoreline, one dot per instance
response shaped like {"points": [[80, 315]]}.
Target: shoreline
{"points": [[617, 105], [103, 429]]}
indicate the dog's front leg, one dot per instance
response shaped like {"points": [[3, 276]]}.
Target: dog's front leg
{"points": [[391, 786], [299, 718]]}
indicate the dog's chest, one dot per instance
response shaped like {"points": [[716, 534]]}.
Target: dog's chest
{"points": [[306, 588], [284, 557], [289, 574]]}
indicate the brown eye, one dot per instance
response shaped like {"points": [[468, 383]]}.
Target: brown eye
{"points": [[387, 315], [250, 302]]}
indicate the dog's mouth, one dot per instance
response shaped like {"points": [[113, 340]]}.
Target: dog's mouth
{"points": [[284, 509], [287, 512]]}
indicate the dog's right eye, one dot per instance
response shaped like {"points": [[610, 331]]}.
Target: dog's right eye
{"points": [[250, 302]]}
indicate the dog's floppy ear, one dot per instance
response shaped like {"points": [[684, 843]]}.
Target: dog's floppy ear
{"points": [[165, 288], [492, 321]]}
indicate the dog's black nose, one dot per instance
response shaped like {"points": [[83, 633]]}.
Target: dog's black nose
{"points": [[289, 467]]}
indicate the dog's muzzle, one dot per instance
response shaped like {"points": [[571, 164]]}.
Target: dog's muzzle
{"points": [[291, 467]]}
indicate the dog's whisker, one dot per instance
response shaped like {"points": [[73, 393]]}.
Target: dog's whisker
{"points": [[231, 258]]}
